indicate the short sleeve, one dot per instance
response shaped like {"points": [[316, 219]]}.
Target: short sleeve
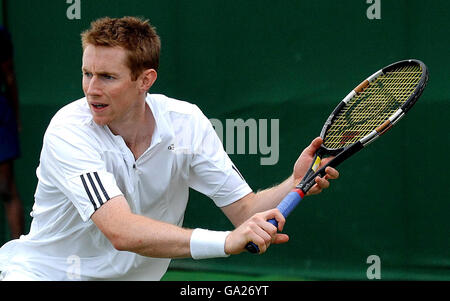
{"points": [[211, 171], [71, 163]]}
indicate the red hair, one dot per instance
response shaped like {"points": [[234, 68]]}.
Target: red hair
{"points": [[134, 35]]}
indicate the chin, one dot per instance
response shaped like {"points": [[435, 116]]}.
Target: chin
{"points": [[100, 121]]}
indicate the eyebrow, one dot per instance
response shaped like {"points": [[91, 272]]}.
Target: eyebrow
{"points": [[101, 72]]}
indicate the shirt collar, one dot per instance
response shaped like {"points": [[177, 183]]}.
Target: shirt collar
{"points": [[159, 124]]}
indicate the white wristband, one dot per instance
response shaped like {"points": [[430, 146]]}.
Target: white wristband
{"points": [[208, 244]]}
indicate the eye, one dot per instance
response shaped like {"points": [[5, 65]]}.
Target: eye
{"points": [[107, 76], [87, 74]]}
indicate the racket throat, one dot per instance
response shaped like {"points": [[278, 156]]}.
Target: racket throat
{"points": [[312, 173], [304, 187], [309, 179]]}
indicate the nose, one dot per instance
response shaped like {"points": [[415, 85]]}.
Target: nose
{"points": [[92, 86]]}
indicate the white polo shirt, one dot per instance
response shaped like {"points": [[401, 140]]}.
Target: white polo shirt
{"points": [[83, 165]]}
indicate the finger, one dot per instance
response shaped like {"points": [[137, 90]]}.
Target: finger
{"points": [[322, 182], [269, 228], [265, 231], [280, 238], [314, 146], [262, 247], [314, 190], [278, 216], [260, 231], [259, 237], [331, 173], [325, 161]]}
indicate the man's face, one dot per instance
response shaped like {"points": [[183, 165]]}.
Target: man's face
{"points": [[111, 94]]}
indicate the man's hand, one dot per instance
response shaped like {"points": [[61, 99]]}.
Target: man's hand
{"points": [[303, 163], [258, 230]]}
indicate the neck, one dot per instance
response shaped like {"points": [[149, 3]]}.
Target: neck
{"points": [[136, 130]]}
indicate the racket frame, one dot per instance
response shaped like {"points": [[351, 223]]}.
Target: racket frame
{"points": [[345, 152]]}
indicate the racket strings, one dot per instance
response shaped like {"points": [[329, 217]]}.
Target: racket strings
{"points": [[369, 109]]}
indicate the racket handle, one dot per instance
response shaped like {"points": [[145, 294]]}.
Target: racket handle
{"points": [[291, 200]]}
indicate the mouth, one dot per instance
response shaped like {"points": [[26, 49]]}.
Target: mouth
{"points": [[98, 106]]}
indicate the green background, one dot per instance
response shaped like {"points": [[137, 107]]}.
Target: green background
{"points": [[287, 60]]}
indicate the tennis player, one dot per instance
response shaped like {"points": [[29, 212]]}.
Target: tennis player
{"points": [[115, 170]]}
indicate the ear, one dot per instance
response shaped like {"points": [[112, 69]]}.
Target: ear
{"points": [[147, 78]]}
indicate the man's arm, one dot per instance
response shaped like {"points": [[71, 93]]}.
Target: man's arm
{"points": [[135, 233], [252, 203]]}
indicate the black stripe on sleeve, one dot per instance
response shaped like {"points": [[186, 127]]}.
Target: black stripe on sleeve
{"points": [[236, 170], [88, 192], [99, 198], [101, 186]]}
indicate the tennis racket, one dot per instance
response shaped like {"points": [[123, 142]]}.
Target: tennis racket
{"points": [[366, 113]]}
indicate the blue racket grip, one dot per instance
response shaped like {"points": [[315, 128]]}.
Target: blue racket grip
{"points": [[286, 206], [290, 202]]}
